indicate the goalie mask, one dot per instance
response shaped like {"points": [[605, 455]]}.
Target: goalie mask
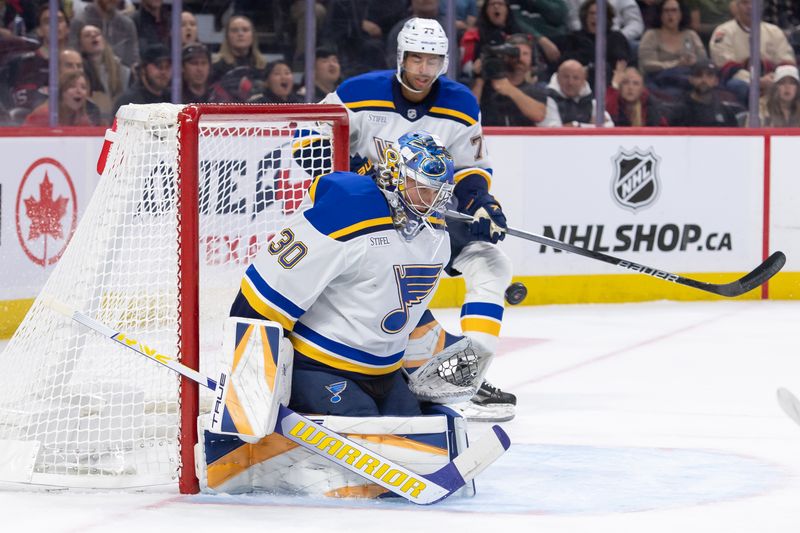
{"points": [[418, 178], [423, 36], [425, 173]]}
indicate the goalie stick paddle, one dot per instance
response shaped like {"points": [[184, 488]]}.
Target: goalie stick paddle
{"points": [[423, 489], [790, 404], [747, 283]]}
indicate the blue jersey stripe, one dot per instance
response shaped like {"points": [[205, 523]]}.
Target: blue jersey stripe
{"points": [[482, 309], [343, 350], [272, 295]]}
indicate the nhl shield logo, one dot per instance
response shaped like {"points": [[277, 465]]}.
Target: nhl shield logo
{"points": [[636, 183]]}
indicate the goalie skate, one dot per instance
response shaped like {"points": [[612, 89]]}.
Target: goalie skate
{"points": [[489, 404]]}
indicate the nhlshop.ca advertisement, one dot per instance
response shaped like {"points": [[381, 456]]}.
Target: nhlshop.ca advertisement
{"points": [[683, 204]]}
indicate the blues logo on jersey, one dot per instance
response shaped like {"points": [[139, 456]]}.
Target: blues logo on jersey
{"points": [[414, 283]]}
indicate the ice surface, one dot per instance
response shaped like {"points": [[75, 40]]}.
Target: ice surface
{"points": [[652, 417]]}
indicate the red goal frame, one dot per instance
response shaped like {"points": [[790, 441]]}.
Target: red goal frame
{"points": [[189, 250]]}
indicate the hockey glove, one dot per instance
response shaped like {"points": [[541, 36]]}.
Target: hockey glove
{"points": [[489, 222]]}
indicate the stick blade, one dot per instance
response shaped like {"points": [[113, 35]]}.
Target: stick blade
{"points": [[759, 275], [790, 404], [471, 462]]}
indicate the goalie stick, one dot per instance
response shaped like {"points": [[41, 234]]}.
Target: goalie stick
{"points": [[423, 489], [747, 283], [790, 404]]}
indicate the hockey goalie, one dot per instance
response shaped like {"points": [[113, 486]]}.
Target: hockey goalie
{"points": [[321, 323]]}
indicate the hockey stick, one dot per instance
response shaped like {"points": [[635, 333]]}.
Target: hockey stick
{"points": [[790, 404], [423, 489], [747, 283]]}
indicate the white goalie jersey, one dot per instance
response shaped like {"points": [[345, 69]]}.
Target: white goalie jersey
{"points": [[340, 278], [379, 115]]}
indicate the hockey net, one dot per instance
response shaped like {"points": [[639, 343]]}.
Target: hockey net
{"points": [[188, 197]]}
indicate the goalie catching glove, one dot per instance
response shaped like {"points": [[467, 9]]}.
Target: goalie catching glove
{"points": [[453, 375]]}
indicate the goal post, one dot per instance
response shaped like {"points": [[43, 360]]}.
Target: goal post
{"points": [[188, 196], [189, 131]]}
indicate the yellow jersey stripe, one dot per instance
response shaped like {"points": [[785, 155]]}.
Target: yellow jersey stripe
{"points": [[360, 226], [453, 113], [263, 308], [481, 325], [316, 354], [370, 103], [312, 191], [464, 172]]}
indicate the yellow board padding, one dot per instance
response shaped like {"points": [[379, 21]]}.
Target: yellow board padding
{"points": [[11, 314], [785, 286], [619, 288]]}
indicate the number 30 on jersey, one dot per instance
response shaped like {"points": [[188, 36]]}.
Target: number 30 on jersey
{"points": [[288, 250]]}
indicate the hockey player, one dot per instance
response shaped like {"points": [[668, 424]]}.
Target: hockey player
{"points": [[350, 277], [381, 106]]}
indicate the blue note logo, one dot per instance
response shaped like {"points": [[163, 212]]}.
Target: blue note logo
{"points": [[414, 284], [336, 389]]}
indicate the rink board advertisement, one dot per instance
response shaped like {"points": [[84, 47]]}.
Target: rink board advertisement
{"points": [[689, 204], [45, 185], [665, 200]]}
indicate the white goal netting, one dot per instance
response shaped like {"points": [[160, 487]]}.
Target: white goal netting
{"points": [[79, 410]]}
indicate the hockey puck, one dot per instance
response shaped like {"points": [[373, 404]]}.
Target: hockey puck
{"points": [[516, 292]]}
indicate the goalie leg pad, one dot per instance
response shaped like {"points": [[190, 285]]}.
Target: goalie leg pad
{"points": [[256, 378], [225, 464]]}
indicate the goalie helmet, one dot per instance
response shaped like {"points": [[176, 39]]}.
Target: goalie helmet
{"points": [[425, 36], [425, 172]]}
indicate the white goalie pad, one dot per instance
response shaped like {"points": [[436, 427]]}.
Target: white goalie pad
{"points": [[256, 377], [226, 464], [453, 375]]}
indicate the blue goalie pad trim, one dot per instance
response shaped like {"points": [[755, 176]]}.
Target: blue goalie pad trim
{"points": [[218, 446], [227, 422], [438, 440]]}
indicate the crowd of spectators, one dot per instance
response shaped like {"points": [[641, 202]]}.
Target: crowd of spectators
{"points": [[529, 62]]}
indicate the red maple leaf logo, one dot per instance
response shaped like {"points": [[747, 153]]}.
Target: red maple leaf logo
{"points": [[46, 213]]}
